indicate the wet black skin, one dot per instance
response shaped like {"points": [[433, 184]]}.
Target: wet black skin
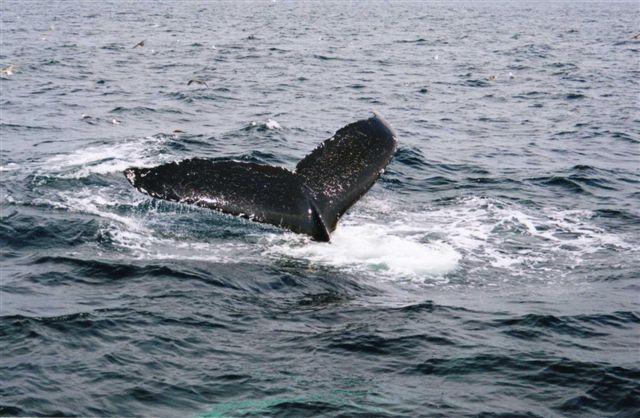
{"points": [[310, 200]]}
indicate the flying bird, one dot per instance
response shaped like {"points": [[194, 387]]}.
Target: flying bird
{"points": [[139, 44], [197, 81]]}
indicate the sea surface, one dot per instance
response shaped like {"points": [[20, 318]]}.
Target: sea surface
{"points": [[493, 270]]}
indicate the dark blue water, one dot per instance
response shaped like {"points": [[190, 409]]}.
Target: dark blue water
{"points": [[492, 271]]}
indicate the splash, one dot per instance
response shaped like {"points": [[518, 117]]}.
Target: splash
{"points": [[368, 247], [467, 237], [108, 157]]}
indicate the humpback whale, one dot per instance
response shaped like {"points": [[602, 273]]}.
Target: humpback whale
{"points": [[308, 200]]}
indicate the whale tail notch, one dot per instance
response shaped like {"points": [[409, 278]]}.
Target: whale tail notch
{"points": [[310, 200]]}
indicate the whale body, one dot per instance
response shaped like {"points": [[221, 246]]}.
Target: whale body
{"points": [[309, 200]]}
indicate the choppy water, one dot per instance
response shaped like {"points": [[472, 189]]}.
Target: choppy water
{"points": [[493, 270]]}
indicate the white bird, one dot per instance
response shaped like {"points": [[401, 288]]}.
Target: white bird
{"points": [[8, 70]]}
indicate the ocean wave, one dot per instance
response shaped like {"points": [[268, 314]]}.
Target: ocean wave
{"points": [[412, 157], [141, 110], [412, 41], [213, 94], [579, 326], [331, 58], [104, 157], [44, 230]]}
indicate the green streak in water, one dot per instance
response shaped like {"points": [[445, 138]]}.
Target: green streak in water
{"points": [[262, 406]]}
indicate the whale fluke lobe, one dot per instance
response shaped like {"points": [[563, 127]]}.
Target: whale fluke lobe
{"points": [[310, 200], [261, 193], [345, 166]]}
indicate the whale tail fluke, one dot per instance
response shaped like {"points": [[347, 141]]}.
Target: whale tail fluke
{"points": [[310, 200], [345, 166], [261, 193]]}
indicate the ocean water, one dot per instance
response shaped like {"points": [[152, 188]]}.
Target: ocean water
{"points": [[493, 270]]}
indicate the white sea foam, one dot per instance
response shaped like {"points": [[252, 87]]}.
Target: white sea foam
{"points": [[472, 233], [108, 158], [374, 247], [141, 234], [521, 240], [147, 246], [99, 203]]}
